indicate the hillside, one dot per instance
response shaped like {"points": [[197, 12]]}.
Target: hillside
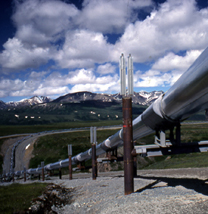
{"points": [[80, 106]]}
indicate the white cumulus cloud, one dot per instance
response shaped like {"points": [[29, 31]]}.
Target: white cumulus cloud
{"points": [[175, 26], [172, 61]]}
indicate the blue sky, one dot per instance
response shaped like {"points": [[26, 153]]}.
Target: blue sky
{"points": [[53, 47]]}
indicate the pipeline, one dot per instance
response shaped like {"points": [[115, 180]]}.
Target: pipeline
{"points": [[186, 97]]}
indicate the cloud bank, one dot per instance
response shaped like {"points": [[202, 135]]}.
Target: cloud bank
{"points": [[76, 44]]}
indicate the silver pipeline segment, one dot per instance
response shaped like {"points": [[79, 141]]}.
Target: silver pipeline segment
{"points": [[185, 98]]}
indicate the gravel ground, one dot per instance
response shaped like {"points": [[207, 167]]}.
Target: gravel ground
{"points": [[106, 195], [155, 191]]}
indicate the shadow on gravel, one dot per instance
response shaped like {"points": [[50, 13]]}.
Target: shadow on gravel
{"points": [[199, 186]]}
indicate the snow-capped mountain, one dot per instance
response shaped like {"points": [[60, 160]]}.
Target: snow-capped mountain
{"points": [[29, 102], [142, 98]]}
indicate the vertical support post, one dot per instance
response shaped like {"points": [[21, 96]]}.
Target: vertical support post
{"points": [[70, 162], [94, 161], [162, 138], [39, 173], [127, 123], [70, 168], [60, 174], [178, 134], [93, 140], [135, 162], [24, 174], [128, 145], [43, 175]]}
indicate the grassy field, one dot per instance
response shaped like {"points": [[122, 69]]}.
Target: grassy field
{"points": [[21, 129], [16, 198]]}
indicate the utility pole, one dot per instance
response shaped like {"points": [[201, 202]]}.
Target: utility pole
{"points": [[127, 123]]}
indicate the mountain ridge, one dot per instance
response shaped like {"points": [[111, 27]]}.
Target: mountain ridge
{"points": [[141, 98]]}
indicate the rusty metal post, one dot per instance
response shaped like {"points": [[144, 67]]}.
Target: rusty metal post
{"points": [[70, 162], [93, 141], [43, 175], [38, 173], [24, 174], [70, 168], [94, 164], [128, 145], [60, 173]]}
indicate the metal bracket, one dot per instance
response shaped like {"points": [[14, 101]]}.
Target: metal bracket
{"points": [[162, 142]]}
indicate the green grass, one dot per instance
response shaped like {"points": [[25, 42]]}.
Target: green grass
{"points": [[21, 129], [16, 198], [51, 148], [189, 133], [192, 160]]}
